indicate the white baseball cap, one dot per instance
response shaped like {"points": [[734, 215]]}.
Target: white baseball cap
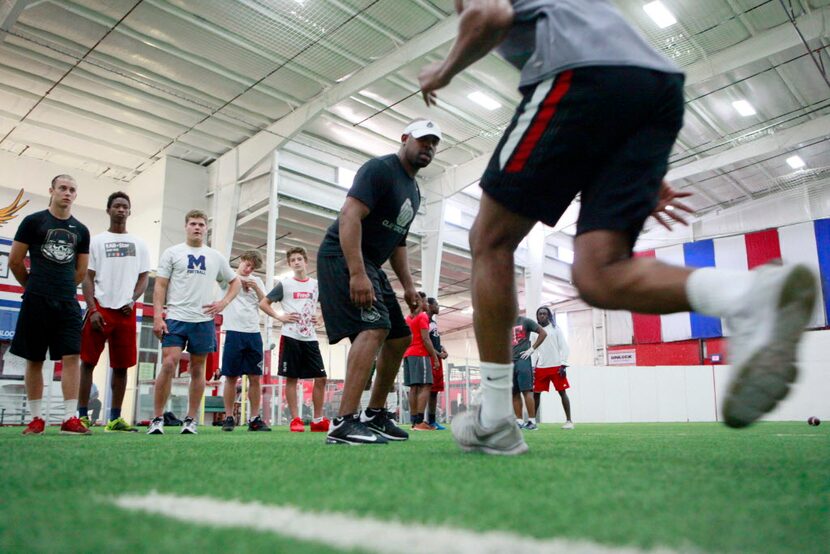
{"points": [[422, 128]]}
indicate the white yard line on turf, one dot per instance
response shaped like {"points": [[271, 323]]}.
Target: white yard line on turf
{"points": [[346, 531]]}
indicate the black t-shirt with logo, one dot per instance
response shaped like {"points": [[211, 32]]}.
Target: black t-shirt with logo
{"points": [[434, 335], [393, 199], [53, 246]]}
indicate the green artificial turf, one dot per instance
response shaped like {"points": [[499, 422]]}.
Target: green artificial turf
{"points": [[686, 486]]}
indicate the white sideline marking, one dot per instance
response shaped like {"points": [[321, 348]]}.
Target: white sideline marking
{"points": [[346, 531]]}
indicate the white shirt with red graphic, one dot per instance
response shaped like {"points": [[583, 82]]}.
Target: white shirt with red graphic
{"points": [[298, 297]]}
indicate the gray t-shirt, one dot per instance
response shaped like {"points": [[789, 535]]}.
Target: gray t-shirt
{"points": [[521, 335], [551, 36]]}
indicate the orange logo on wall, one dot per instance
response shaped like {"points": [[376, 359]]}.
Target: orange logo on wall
{"points": [[9, 212]]}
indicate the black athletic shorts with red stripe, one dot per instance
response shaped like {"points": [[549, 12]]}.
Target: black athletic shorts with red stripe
{"points": [[604, 132]]}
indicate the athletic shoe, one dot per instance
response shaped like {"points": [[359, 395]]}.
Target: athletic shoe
{"points": [[383, 425], [504, 438], [119, 425], [297, 425], [321, 426], [35, 427], [257, 424], [156, 427], [227, 424], [170, 419], [189, 427], [73, 426], [530, 426], [350, 430], [423, 426], [85, 421], [766, 329], [439, 427], [569, 425]]}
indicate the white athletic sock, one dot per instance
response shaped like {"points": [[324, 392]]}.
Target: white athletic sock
{"points": [[36, 407], [717, 292], [519, 420], [496, 398], [70, 406], [317, 419], [532, 420]]}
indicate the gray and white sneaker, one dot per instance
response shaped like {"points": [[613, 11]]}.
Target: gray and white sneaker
{"points": [[505, 438], [766, 329], [530, 426], [189, 426], [156, 427], [569, 425]]}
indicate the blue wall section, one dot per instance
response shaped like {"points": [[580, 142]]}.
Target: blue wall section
{"points": [[702, 254]]}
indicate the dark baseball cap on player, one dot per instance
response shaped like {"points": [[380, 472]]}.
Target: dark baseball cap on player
{"points": [[422, 128]]}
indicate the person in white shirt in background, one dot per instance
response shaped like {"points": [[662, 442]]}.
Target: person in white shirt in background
{"points": [[549, 362], [185, 280], [117, 276], [300, 356], [242, 352]]}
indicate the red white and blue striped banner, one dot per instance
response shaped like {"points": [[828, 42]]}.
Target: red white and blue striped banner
{"points": [[806, 243]]}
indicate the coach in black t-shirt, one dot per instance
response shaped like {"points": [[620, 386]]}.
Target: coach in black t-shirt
{"points": [[50, 317], [355, 295]]}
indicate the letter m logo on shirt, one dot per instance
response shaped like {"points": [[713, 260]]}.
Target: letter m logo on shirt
{"points": [[195, 263]]}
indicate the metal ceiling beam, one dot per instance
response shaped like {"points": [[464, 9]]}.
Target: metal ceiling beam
{"points": [[763, 45], [780, 141], [254, 150], [144, 76], [9, 12], [174, 51]]}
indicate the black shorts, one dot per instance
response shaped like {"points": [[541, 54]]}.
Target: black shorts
{"points": [[604, 132], [300, 359], [343, 319], [46, 323], [242, 354]]}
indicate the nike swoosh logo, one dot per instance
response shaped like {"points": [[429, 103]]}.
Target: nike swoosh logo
{"points": [[372, 438], [497, 378]]}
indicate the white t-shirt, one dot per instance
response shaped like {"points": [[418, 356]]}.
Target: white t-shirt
{"points": [[193, 274], [553, 351], [242, 314], [297, 297], [117, 260]]}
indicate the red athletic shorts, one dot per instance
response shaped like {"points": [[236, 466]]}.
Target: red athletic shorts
{"points": [[543, 376], [119, 330], [438, 377]]}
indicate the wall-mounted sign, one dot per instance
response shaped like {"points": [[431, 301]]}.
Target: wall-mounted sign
{"points": [[622, 357]]}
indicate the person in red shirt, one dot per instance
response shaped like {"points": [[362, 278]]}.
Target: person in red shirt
{"points": [[418, 361]]}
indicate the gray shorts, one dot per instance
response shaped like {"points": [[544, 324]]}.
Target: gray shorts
{"points": [[417, 370], [522, 375]]}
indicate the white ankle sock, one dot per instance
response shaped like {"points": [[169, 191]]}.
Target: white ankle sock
{"points": [[70, 407], [317, 419], [36, 407], [717, 292], [532, 420], [496, 386], [519, 420]]}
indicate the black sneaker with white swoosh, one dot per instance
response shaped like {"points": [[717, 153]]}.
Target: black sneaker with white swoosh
{"points": [[349, 430], [380, 423]]}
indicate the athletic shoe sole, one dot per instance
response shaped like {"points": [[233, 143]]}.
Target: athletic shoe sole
{"points": [[519, 449], [765, 378]]}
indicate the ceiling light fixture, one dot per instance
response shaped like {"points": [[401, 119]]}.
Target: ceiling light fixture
{"points": [[660, 14], [795, 162], [744, 108], [483, 100]]}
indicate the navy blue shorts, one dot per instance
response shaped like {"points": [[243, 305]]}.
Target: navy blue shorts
{"points": [[196, 338], [242, 354], [603, 132], [522, 375]]}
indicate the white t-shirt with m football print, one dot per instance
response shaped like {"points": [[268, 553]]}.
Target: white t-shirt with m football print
{"points": [[193, 274], [298, 297]]}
